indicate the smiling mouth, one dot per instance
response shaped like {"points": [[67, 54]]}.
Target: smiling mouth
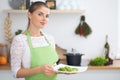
{"points": [[42, 23]]}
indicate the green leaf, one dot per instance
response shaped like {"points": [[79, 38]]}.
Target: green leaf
{"points": [[98, 61]]}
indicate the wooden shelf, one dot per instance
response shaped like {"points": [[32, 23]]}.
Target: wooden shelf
{"points": [[15, 11], [52, 11], [68, 11], [5, 67]]}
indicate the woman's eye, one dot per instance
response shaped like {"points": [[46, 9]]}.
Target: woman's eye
{"points": [[47, 16], [40, 14]]}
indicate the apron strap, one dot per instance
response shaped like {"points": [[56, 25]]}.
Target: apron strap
{"points": [[29, 39], [46, 38]]}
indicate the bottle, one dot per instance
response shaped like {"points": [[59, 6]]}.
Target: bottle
{"points": [[22, 5], [27, 4], [107, 52], [107, 47]]}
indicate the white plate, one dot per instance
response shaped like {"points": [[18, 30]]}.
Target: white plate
{"points": [[80, 68]]}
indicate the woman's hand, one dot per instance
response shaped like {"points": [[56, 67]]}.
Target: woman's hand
{"points": [[48, 70]]}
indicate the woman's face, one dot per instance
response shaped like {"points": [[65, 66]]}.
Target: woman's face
{"points": [[39, 17]]}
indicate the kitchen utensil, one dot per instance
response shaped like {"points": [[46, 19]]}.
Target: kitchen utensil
{"points": [[74, 59]]}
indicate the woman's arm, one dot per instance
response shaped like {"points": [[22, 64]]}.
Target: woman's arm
{"points": [[46, 69]]}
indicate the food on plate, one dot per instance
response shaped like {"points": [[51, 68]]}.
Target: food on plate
{"points": [[68, 69]]}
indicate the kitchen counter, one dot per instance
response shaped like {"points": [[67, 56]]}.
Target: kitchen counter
{"points": [[5, 67], [114, 66], [111, 72]]}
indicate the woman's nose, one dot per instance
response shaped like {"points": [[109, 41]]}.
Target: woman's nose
{"points": [[44, 18]]}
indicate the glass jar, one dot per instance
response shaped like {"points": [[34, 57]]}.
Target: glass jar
{"points": [[51, 4], [22, 5]]}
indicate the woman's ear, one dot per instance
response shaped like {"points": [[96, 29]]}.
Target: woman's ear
{"points": [[29, 15]]}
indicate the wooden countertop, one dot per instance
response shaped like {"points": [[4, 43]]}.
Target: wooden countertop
{"points": [[5, 67], [114, 66]]}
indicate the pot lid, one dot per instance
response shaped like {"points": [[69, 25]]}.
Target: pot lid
{"points": [[79, 54]]}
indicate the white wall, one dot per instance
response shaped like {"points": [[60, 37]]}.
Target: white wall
{"points": [[3, 5], [101, 15], [118, 55]]}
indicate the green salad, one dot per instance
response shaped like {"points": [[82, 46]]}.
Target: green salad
{"points": [[68, 69]]}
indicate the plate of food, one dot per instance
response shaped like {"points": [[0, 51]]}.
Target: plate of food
{"points": [[67, 69]]}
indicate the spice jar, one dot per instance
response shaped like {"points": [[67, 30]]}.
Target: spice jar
{"points": [[22, 5], [51, 4]]}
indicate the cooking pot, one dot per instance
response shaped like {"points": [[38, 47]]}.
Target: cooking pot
{"points": [[74, 59]]}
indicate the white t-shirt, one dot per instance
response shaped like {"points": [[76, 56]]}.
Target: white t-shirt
{"points": [[20, 51]]}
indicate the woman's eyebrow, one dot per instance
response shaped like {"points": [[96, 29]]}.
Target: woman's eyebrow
{"points": [[43, 12]]}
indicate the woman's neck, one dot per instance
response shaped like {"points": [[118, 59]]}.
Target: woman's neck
{"points": [[34, 32]]}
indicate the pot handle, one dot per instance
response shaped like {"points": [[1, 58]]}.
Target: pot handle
{"points": [[82, 54], [58, 61], [64, 54]]}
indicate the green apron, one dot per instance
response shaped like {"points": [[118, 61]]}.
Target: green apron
{"points": [[41, 56]]}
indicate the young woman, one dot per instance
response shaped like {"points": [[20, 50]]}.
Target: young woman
{"points": [[33, 52]]}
